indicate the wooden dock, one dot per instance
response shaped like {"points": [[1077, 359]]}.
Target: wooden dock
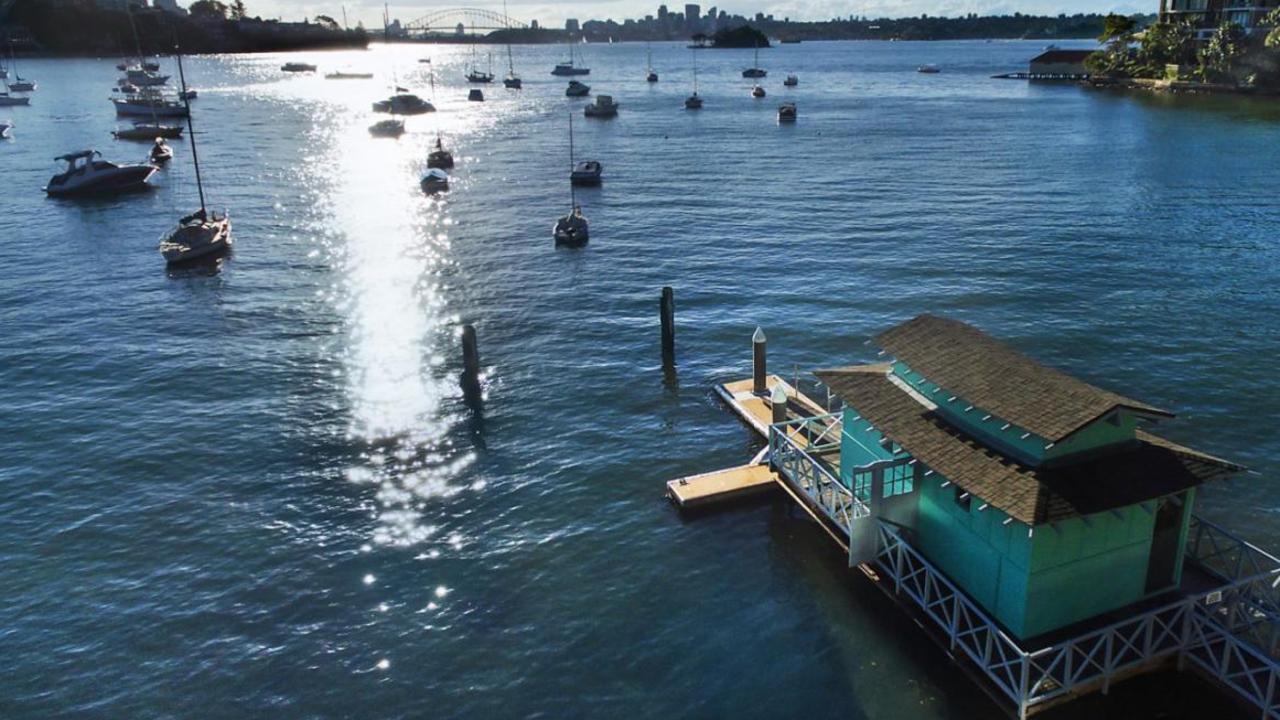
{"points": [[704, 489]]}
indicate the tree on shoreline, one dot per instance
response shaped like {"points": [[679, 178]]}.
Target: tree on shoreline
{"points": [[1117, 32], [1219, 56]]}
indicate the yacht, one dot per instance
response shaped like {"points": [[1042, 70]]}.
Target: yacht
{"points": [[440, 158], [787, 112], [387, 128], [85, 174], [403, 104], [568, 68], [604, 106], [755, 71], [587, 172], [929, 69], [791, 80], [149, 104], [757, 92], [435, 180], [201, 234], [577, 89], [297, 67], [7, 100], [148, 131], [512, 81]]}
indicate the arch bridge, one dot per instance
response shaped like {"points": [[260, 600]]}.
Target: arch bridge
{"points": [[447, 21]]}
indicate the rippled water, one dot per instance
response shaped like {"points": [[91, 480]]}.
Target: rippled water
{"points": [[259, 492]]}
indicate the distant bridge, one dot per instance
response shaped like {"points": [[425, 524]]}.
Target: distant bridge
{"points": [[447, 21]]}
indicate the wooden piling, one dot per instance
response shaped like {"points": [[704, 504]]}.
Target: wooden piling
{"points": [[759, 373], [470, 358], [667, 308]]}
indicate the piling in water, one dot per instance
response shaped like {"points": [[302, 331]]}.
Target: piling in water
{"points": [[470, 363], [668, 311], [758, 384]]}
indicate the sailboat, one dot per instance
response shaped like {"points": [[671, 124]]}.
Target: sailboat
{"points": [[201, 233], [755, 71], [572, 229], [20, 85], [651, 76], [475, 75], [440, 157], [568, 68], [143, 130], [512, 81], [694, 101]]}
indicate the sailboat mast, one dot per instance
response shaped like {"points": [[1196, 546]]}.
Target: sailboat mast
{"points": [[573, 198], [195, 157], [695, 71]]}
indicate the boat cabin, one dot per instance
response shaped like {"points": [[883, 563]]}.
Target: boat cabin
{"points": [[1044, 498]]}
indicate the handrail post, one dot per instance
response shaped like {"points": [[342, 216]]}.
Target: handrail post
{"points": [[1023, 690]]}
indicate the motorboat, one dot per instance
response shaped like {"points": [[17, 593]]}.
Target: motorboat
{"points": [[403, 104], [198, 235], [475, 95], [161, 152], [604, 106], [297, 67], [434, 181], [693, 102], [387, 128], [5, 127], [86, 174], [348, 76], [22, 85], [7, 100], [755, 71], [791, 80], [787, 112], [149, 104], [149, 131], [757, 92], [440, 158], [572, 229], [587, 172], [929, 69], [577, 89], [201, 234]]}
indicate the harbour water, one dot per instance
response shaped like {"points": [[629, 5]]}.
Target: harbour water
{"points": [[258, 491]]}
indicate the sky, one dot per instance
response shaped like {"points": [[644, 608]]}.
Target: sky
{"points": [[550, 14]]}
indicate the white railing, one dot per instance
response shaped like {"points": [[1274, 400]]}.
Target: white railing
{"points": [[790, 448], [1222, 633]]}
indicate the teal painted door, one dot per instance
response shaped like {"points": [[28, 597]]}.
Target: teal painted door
{"points": [[1163, 564]]}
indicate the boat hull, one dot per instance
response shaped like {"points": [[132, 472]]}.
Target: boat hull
{"points": [[570, 71], [125, 108], [13, 101], [149, 132], [121, 180]]}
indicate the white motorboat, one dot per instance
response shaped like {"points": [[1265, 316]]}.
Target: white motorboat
{"points": [[791, 80], [403, 104], [577, 89], [7, 100], [201, 234], [387, 128], [148, 131], [348, 76], [755, 71], [572, 229], [757, 91], [787, 112], [929, 69], [434, 181], [161, 152], [297, 67], [604, 106], [440, 158], [587, 172], [85, 174]]}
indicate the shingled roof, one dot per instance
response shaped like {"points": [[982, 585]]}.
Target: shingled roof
{"points": [[1002, 381], [1150, 467]]}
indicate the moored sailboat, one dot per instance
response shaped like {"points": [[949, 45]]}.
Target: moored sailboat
{"points": [[572, 229], [694, 101]]}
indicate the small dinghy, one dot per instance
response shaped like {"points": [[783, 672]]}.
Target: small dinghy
{"points": [[572, 229], [161, 152], [440, 158], [929, 69], [587, 172], [348, 76], [435, 181], [757, 92], [297, 67], [387, 128], [604, 106], [577, 89], [85, 174], [787, 112]]}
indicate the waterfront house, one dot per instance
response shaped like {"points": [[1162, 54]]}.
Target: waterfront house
{"points": [[1059, 63], [1042, 497], [1206, 15]]}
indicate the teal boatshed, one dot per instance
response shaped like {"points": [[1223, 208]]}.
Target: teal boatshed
{"points": [[1045, 499]]}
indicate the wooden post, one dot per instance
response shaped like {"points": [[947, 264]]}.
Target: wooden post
{"points": [[470, 359], [667, 308], [758, 340]]}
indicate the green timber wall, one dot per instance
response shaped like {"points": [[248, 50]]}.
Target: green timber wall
{"points": [[1033, 585]]}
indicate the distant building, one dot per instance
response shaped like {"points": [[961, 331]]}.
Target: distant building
{"points": [[1207, 15], [533, 24], [571, 25], [692, 17], [1065, 63], [459, 29], [662, 13]]}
